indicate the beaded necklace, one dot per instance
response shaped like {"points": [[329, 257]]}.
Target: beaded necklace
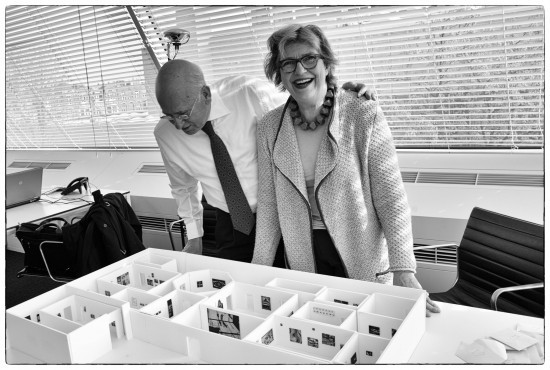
{"points": [[322, 116]]}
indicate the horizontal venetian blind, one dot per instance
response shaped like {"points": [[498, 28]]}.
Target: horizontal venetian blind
{"points": [[445, 76], [77, 77]]}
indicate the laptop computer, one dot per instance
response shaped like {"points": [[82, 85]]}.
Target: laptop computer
{"points": [[23, 186]]}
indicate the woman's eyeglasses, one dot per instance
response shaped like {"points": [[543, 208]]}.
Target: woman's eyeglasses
{"points": [[181, 117], [308, 62]]}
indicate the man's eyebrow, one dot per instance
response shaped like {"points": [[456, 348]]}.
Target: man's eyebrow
{"points": [[180, 113]]}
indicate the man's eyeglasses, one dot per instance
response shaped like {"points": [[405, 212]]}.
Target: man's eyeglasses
{"points": [[308, 62], [181, 117]]}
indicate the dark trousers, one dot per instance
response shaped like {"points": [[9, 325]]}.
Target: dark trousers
{"points": [[327, 259], [234, 245]]}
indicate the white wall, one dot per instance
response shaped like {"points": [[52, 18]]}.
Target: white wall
{"points": [[118, 170]]}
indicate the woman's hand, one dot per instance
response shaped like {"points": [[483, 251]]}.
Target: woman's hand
{"points": [[361, 89], [407, 279]]}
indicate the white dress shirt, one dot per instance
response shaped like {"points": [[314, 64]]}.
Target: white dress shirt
{"points": [[238, 104]]}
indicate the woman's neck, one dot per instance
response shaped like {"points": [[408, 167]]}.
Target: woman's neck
{"points": [[310, 111]]}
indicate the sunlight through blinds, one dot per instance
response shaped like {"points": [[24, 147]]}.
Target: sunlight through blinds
{"points": [[445, 76]]}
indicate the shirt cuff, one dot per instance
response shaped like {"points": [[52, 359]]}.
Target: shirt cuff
{"points": [[194, 230]]}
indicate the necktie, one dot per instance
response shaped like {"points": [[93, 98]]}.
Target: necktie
{"points": [[241, 214]]}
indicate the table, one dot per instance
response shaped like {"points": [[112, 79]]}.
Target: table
{"points": [[50, 205], [456, 324]]}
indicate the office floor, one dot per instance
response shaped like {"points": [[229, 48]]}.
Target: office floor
{"points": [[21, 289]]}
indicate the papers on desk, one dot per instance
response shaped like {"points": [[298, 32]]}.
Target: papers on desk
{"points": [[521, 346]]}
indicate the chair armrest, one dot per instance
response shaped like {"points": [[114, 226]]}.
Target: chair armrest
{"points": [[170, 232], [435, 246], [498, 292]]}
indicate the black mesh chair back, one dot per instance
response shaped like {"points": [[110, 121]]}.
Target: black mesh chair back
{"points": [[499, 251]]}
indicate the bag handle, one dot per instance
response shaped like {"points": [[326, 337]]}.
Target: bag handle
{"points": [[49, 222]]}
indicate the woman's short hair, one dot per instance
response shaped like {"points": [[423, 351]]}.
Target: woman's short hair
{"points": [[296, 33]]}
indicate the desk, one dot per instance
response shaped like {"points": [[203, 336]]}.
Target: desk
{"points": [[50, 205], [455, 324]]}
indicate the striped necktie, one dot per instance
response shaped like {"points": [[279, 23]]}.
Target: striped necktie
{"points": [[239, 210]]}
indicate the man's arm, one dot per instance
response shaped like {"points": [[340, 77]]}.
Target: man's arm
{"points": [[193, 246], [187, 193], [361, 89]]}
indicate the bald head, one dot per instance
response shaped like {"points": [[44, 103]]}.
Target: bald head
{"points": [[178, 81]]}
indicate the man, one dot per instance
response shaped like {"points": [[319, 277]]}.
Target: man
{"points": [[232, 107]]}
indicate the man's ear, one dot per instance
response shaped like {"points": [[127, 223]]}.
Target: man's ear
{"points": [[205, 91]]}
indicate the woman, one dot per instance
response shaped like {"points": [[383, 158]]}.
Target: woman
{"points": [[329, 181]]}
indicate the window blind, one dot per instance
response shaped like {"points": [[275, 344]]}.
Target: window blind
{"points": [[77, 77], [445, 76]]}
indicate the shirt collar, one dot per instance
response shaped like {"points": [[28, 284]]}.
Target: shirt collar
{"points": [[218, 108]]}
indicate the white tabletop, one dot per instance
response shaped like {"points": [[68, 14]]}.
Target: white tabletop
{"points": [[455, 324], [50, 205]]}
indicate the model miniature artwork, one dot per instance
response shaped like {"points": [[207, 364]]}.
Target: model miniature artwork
{"points": [[295, 335], [268, 337], [328, 339], [123, 279], [223, 323], [170, 308], [266, 303], [313, 342], [217, 283]]}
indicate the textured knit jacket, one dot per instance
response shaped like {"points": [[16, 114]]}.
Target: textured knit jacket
{"points": [[358, 188]]}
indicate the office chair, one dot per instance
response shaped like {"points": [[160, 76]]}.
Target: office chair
{"points": [[500, 259]]}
